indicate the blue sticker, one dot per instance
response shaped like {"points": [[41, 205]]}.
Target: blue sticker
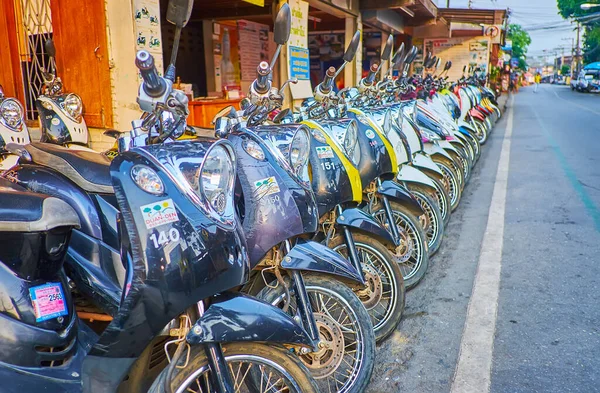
{"points": [[48, 301]]}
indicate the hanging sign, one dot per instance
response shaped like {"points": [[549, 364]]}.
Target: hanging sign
{"points": [[297, 46]]}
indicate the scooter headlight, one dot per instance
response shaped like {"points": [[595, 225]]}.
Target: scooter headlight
{"points": [[11, 112], [73, 106], [351, 143], [147, 179], [299, 150], [432, 136], [217, 175]]}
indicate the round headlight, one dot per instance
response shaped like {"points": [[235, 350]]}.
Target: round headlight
{"points": [[73, 106], [351, 143], [216, 179], [299, 149], [253, 149], [147, 179], [11, 112]]}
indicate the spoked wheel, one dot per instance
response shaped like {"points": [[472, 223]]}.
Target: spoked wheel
{"points": [[456, 164], [450, 180], [465, 163], [412, 254], [383, 294], [481, 130], [254, 368], [346, 355], [432, 221], [441, 195]]}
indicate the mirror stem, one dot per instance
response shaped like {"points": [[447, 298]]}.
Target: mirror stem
{"points": [[340, 70], [170, 73], [275, 56]]}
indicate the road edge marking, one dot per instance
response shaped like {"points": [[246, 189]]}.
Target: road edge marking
{"points": [[474, 365]]}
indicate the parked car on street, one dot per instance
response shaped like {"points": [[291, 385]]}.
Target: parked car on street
{"points": [[588, 81]]}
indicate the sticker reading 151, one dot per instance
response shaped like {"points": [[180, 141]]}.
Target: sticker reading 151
{"points": [[159, 213], [48, 301]]}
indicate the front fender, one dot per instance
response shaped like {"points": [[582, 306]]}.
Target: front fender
{"points": [[396, 193], [359, 219], [234, 317], [434, 149], [423, 161], [409, 174], [315, 257]]}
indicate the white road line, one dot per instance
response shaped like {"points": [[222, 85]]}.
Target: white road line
{"points": [[576, 104], [474, 366]]}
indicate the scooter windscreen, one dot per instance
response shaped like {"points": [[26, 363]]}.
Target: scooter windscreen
{"points": [[185, 241]]}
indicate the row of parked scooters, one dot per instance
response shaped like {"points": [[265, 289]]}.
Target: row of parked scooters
{"points": [[270, 259]]}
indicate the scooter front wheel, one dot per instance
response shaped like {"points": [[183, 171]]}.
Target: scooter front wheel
{"points": [[383, 294], [451, 181], [254, 368], [434, 223], [346, 356], [412, 254]]}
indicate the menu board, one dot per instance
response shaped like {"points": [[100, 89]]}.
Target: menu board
{"points": [[470, 52], [253, 39]]}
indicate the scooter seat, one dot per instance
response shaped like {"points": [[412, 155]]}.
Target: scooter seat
{"points": [[25, 211], [89, 170]]}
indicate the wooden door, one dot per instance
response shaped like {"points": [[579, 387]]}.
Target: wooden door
{"points": [[10, 71], [82, 56]]}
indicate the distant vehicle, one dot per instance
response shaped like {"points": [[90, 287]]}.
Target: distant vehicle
{"points": [[588, 81], [574, 82]]}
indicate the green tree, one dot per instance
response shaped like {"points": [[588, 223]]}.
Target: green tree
{"points": [[520, 42], [565, 69], [591, 29]]}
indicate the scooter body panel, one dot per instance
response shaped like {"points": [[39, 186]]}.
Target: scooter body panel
{"points": [[396, 193], [57, 127], [409, 174], [423, 161]]}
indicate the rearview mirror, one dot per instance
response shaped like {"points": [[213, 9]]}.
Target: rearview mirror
{"points": [[179, 12], [464, 69], [50, 48], [1, 92], [387, 50], [398, 56], [413, 54], [353, 47], [282, 25]]}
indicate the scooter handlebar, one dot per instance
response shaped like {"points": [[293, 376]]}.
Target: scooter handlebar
{"points": [[154, 85]]}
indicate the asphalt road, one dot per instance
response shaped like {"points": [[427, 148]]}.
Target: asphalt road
{"points": [[548, 302]]}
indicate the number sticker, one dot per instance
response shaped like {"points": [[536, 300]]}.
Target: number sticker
{"points": [[327, 166], [165, 237], [48, 301]]}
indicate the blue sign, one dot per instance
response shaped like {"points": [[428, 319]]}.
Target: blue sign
{"points": [[299, 63]]}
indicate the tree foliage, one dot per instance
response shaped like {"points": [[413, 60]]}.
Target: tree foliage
{"points": [[591, 30], [520, 42]]}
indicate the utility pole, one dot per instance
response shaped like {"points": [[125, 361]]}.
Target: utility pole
{"points": [[577, 51], [470, 4]]}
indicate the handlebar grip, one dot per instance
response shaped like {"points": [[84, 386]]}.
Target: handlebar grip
{"points": [[372, 72], [262, 77], [154, 85], [328, 80]]}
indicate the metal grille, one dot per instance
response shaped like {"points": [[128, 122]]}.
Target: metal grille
{"points": [[35, 27]]}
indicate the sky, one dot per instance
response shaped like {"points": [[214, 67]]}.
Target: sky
{"points": [[529, 13]]}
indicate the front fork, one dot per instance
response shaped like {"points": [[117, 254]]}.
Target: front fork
{"points": [[390, 215], [352, 254]]}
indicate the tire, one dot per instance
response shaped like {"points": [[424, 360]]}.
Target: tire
{"points": [[459, 168], [434, 228], [279, 361], [451, 179], [383, 275], [413, 254], [481, 130], [360, 369], [441, 195]]}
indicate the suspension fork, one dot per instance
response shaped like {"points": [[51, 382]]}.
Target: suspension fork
{"points": [[352, 254], [303, 301], [220, 378], [390, 216]]}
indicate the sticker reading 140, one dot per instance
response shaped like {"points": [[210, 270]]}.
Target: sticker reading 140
{"points": [[159, 213], [48, 301], [264, 187], [324, 152]]}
